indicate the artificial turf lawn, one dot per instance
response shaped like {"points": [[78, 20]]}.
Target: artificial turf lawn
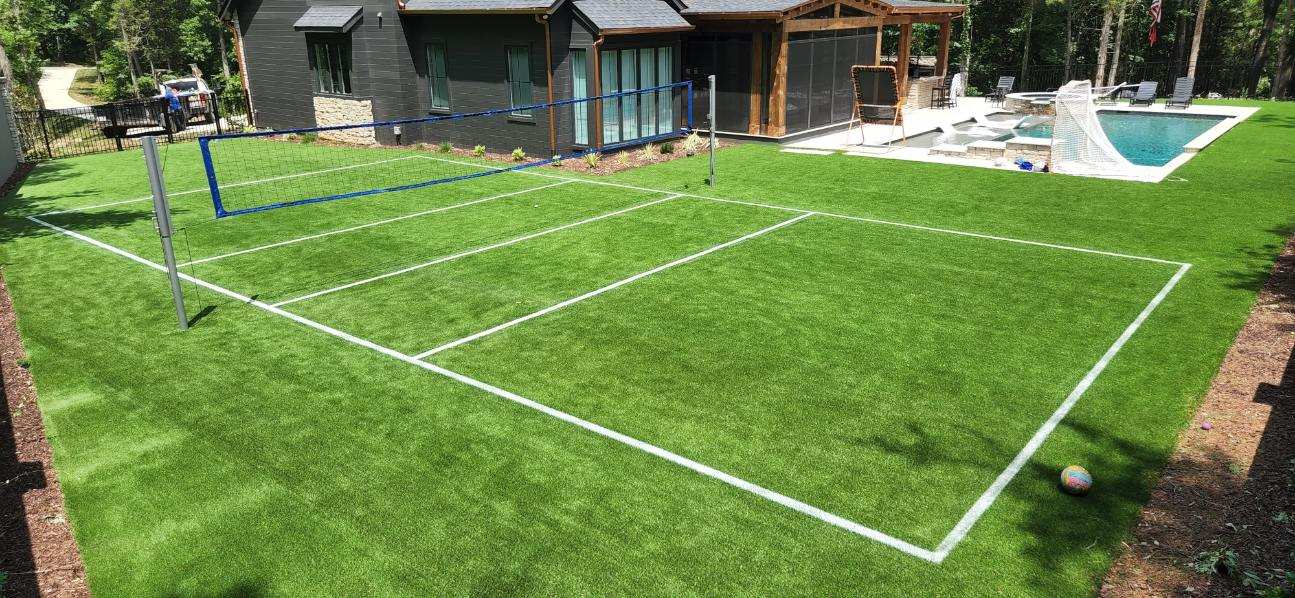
{"points": [[883, 372]]}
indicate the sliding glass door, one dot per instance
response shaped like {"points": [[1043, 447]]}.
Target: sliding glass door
{"points": [[635, 116]]}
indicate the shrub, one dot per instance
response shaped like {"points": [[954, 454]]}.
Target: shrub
{"points": [[647, 152], [445, 147], [623, 158], [519, 155], [556, 161], [592, 159], [667, 148], [691, 144], [479, 151], [308, 138]]}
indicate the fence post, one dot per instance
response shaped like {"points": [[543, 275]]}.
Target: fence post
{"points": [[44, 131], [215, 109], [116, 136], [711, 181], [162, 211]]}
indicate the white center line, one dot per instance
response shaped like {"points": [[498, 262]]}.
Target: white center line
{"points": [[477, 250], [614, 285], [371, 224]]}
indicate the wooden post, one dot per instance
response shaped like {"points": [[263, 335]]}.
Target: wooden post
{"points": [[901, 61], [757, 82], [942, 50], [778, 87], [876, 57]]}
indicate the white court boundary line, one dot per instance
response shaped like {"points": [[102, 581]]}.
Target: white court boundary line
{"points": [[474, 251], [615, 285], [371, 224], [230, 186], [933, 229], [651, 449], [949, 542]]}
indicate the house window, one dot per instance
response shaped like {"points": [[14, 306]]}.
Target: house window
{"points": [[579, 90], [520, 89], [639, 115], [330, 60], [438, 84]]}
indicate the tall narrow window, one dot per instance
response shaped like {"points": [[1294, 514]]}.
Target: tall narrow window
{"points": [[611, 106], [629, 103], [580, 89], [647, 101], [438, 83], [520, 89], [665, 97], [330, 59]]}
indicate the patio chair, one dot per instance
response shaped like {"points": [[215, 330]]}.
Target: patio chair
{"points": [[998, 94], [877, 101], [1145, 95], [940, 93], [1182, 97]]}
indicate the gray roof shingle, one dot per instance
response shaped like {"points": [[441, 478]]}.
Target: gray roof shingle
{"points": [[611, 15], [453, 6], [701, 7], [329, 18]]}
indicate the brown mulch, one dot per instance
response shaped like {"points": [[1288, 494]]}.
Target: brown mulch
{"points": [[38, 555], [1227, 488]]}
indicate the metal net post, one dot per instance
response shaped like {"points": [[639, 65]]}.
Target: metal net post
{"points": [[711, 180], [162, 213]]}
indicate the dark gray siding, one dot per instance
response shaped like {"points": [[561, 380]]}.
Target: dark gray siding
{"points": [[477, 68]]}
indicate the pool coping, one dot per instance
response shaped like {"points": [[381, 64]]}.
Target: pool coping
{"points": [[1234, 115]]}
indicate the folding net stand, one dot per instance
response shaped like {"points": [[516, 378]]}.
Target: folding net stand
{"points": [[162, 218], [1079, 145], [877, 101]]}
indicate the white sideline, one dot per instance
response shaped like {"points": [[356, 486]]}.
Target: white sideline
{"points": [[229, 186], [462, 254], [842, 216], [651, 449], [983, 503], [612, 286], [370, 224]]}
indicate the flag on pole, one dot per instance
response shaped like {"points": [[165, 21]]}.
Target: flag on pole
{"points": [[1155, 20]]}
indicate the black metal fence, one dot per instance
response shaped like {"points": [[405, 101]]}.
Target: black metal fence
{"points": [[1225, 79], [118, 126]]}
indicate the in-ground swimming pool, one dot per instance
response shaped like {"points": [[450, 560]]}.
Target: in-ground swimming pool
{"points": [[1143, 138]]}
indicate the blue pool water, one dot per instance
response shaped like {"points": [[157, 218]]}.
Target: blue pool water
{"points": [[1146, 139]]}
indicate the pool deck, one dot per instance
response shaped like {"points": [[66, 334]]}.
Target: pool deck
{"points": [[926, 120]]}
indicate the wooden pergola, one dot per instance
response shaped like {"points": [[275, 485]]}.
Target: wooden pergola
{"points": [[825, 15]]}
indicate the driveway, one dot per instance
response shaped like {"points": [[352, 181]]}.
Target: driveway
{"points": [[54, 83]]}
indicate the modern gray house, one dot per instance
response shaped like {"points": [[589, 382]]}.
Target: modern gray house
{"points": [[782, 65]]}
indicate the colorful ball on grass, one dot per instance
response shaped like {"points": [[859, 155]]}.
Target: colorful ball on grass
{"points": [[1076, 480]]}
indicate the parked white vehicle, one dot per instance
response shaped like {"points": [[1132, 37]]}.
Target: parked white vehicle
{"points": [[195, 96]]}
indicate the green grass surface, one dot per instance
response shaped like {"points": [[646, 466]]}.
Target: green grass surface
{"points": [[85, 86], [882, 373]]}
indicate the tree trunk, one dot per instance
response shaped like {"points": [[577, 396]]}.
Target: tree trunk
{"points": [[1025, 51], [130, 55], [1180, 40], [1069, 51], [1103, 44], [224, 55], [1284, 82], [966, 41], [1119, 41], [1196, 38], [1260, 55]]}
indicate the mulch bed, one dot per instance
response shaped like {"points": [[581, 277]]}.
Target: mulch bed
{"points": [[38, 555], [1231, 487]]}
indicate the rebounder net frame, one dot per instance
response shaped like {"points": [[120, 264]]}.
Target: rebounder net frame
{"points": [[257, 171], [1079, 145]]}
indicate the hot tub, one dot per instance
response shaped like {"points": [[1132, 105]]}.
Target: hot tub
{"points": [[1034, 102]]}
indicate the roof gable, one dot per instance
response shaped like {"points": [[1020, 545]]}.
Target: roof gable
{"points": [[611, 16]]}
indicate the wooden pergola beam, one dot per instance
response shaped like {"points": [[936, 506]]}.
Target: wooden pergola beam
{"points": [[901, 60], [756, 91], [833, 24], [942, 50]]}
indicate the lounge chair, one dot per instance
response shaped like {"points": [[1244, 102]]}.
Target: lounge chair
{"points": [[877, 100], [999, 93], [1146, 94], [1182, 97]]}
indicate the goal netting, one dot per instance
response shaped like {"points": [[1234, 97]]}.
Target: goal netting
{"points": [[1079, 145]]}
